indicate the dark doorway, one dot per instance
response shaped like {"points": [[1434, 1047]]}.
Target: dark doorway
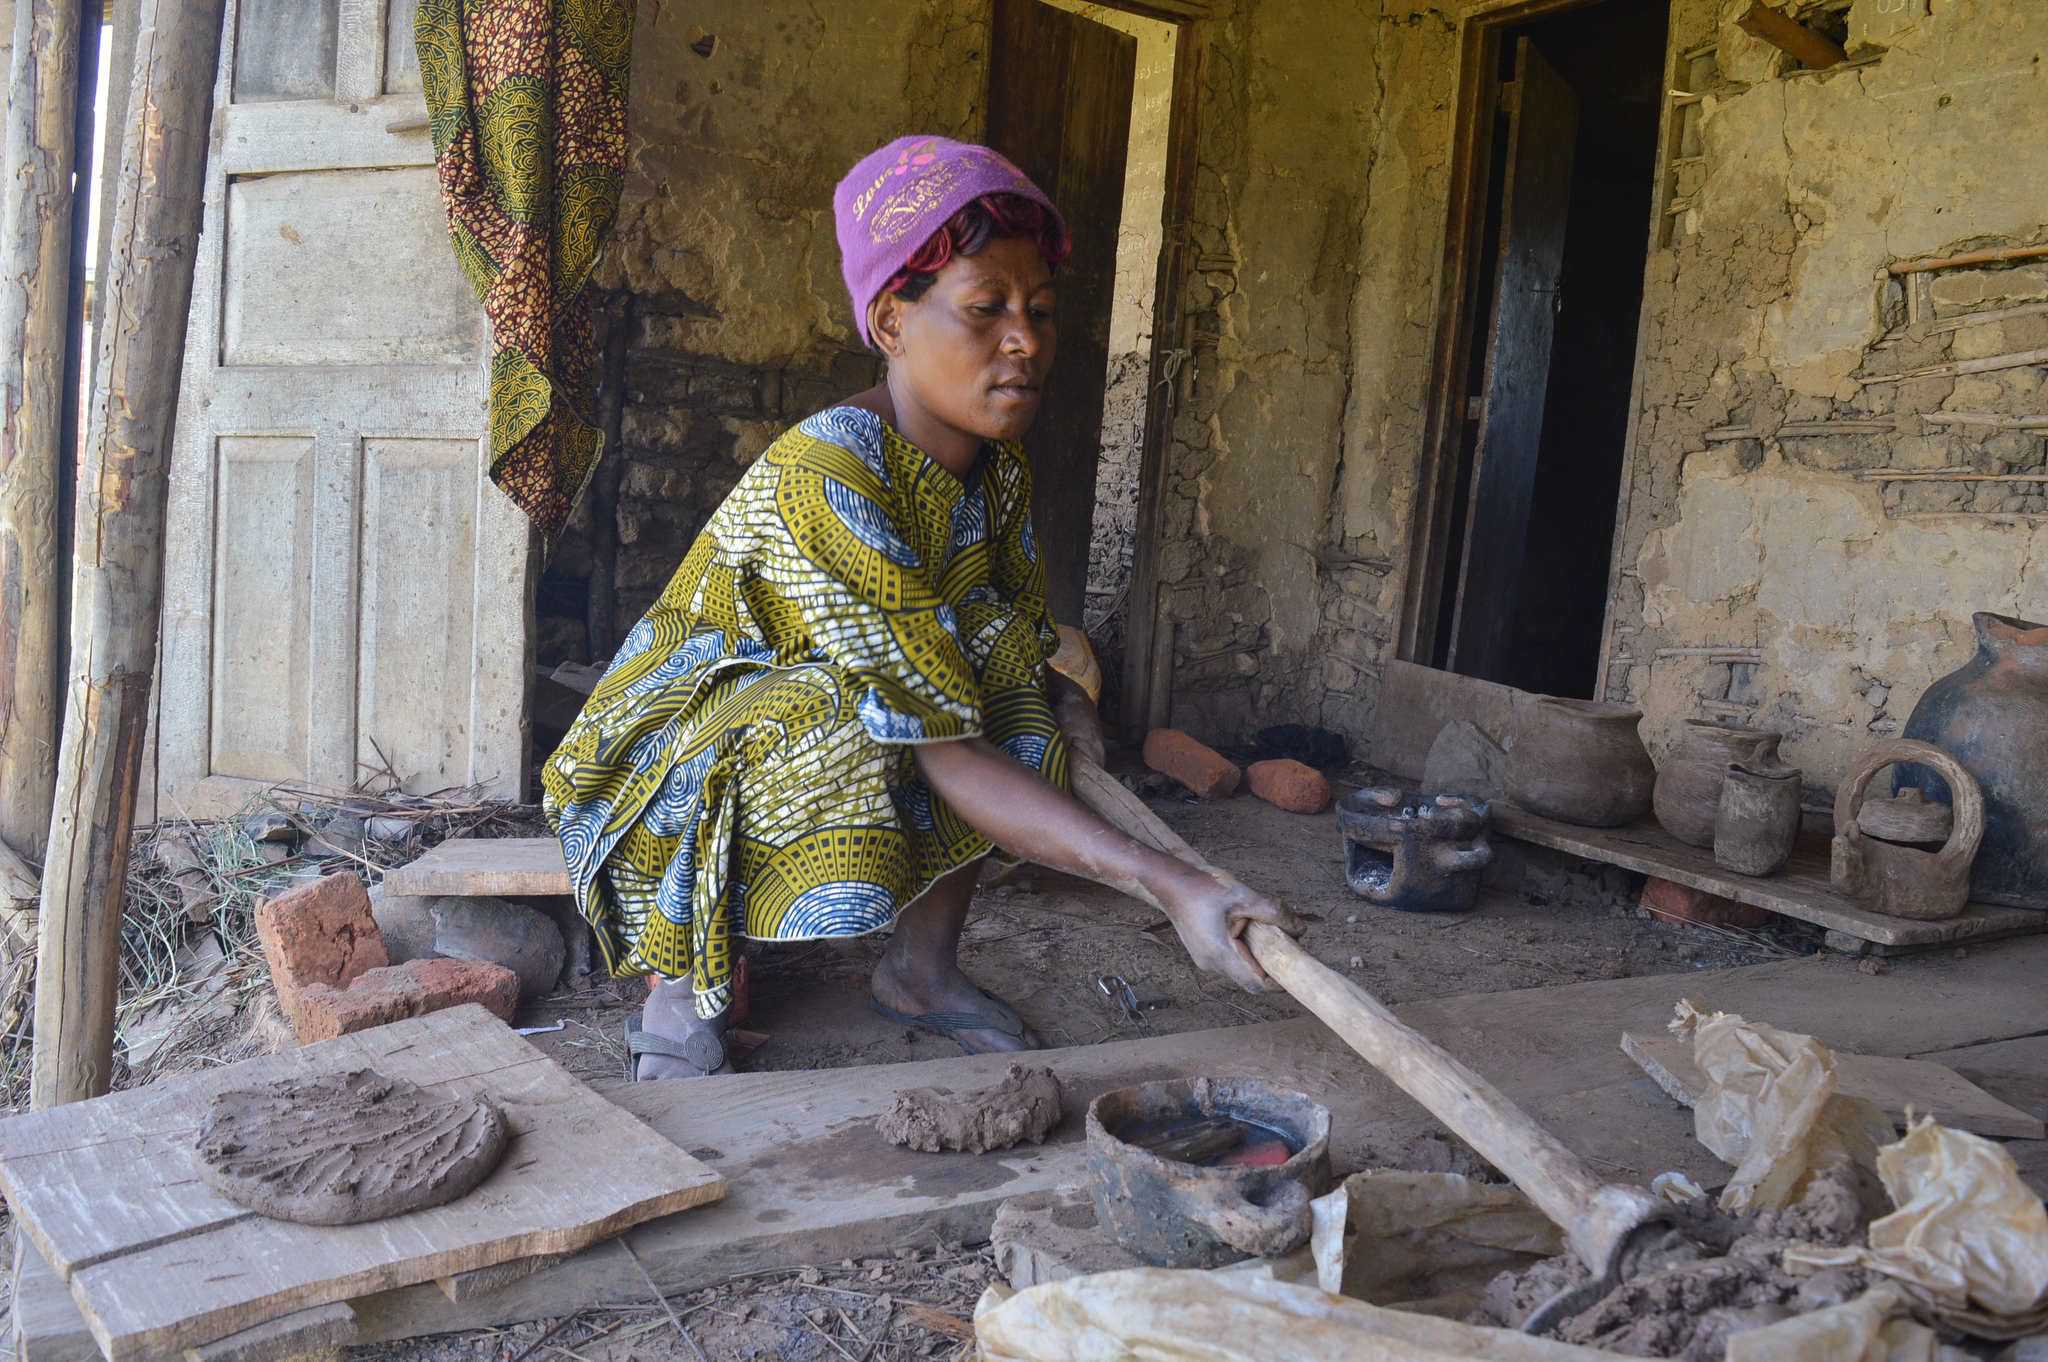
{"points": [[1534, 383]]}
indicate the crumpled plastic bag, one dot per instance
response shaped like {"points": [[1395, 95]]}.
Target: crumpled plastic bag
{"points": [[1171, 1315], [1874, 1327], [1424, 1241], [1969, 1239], [1771, 1108]]}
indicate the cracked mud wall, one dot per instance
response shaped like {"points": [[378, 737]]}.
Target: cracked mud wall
{"points": [[744, 116], [1287, 132], [1805, 537]]}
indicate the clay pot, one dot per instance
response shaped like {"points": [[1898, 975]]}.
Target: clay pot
{"points": [[1758, 819], [1991, 715], [1174, 1214], [1414, 854], [1688, 792], [1580, 761], [1906, 881]]}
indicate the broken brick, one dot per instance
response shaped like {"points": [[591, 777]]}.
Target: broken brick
{"points": [[1675, 902], [1204, 771], [396, 992], [320, 934], [1288, 784]]}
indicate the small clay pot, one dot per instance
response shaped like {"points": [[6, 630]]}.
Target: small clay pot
{"points": [[1906, 881], [1174, 1214], [1580, 761], [1688, 791], [1758, 820]]}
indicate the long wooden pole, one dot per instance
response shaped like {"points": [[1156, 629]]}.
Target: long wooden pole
{"points": [[118, 570], [1595, 1217], [35, 268]]}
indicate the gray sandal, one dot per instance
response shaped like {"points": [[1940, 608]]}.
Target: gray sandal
{"points": [[951, 1024], [703, 1050]]}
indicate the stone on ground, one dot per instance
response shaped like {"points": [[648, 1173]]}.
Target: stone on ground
{"points": [[407, 921], [523, 940], [1287, 784], [319, 935], [1464, 761], [1204, 771]]}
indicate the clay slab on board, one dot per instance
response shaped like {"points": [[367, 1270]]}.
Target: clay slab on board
{"points": [[340, 1149], [1024, 1106]]}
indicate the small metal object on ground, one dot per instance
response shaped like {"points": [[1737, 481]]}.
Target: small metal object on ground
{"points": [[1126, 997]]}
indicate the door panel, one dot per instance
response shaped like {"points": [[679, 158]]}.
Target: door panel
{"points": [[1060, 91], [344, 586], [1543, 125]]}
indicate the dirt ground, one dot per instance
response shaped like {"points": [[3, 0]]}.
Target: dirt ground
{"points": [[1041, 940]]}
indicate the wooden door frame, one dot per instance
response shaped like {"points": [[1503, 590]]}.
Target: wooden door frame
{"points": [[1148, 651], [1480, 33]]}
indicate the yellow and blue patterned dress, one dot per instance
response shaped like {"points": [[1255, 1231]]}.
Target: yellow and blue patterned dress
{"points": [[744, 767]]}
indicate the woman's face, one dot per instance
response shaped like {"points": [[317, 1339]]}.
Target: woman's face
{"points": [[975, 350]]}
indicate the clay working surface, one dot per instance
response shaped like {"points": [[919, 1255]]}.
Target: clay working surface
{"points": [[1024, 1106], [340, 1149]]}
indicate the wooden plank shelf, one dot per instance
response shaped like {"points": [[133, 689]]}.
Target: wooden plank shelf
{"points": [[1800, 891], [496, 867]]}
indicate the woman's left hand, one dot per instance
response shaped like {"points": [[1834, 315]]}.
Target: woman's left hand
{"points": [[1079, 721]]}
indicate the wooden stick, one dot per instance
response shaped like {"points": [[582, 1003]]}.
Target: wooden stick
{"points": [[1956, 368], [1992, 419], [1787, 34], [35, 269], [1594, 1217], [1991, 256], [118, 566]]}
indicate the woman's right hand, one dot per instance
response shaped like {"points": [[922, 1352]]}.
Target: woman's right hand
{"points": [[1210, 913]]}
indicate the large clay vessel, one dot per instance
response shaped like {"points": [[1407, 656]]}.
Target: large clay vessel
{"points": [[1580, 761], [1991, 714], [1688, 792]]}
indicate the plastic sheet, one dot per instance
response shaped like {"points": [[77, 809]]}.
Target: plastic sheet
{"points": [[1771, 1108], [1968, 1239], [1163, 1315], [1871, 1328]]}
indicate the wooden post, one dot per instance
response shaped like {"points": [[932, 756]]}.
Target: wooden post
{"points": [[35, 267], [118, 570]]}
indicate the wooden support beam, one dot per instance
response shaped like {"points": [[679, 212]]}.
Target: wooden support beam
{"points": [[118, 567], [35, 268], [1787, 34]]}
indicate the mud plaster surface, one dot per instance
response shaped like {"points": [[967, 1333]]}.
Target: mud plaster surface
{"points": [[1024, 1106], [340, 1149], [1688, 1306]]}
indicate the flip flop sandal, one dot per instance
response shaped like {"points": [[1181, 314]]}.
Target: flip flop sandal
{"points": [[951, 1024], [702, 1050]]}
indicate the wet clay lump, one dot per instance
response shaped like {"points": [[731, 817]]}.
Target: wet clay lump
{"points": [[1024, 1106]]}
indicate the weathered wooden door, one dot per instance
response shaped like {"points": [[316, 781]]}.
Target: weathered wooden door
{"points": [[1060, 92], [1543, 122], [345, 591]]}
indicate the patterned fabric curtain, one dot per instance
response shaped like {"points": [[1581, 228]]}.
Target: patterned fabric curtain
{"points": [[527, 99]]}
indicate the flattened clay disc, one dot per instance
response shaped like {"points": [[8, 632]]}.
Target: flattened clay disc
{"points": [[344, 1148]]}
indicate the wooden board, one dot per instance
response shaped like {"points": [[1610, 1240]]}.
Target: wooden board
{"points": [[1894, 1084], [503, 867], [811, 1183], [1415, 703], [1801, 890], [109, 1190], [303, 1331]]}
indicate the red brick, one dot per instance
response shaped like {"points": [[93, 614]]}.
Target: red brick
{"points": [[396, 992], [1673, 902], [322, 933], [1288, 784], [1202, 769]]}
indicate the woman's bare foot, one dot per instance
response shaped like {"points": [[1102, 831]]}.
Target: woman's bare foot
{"points": [[669, 1022], [918, 989]]}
